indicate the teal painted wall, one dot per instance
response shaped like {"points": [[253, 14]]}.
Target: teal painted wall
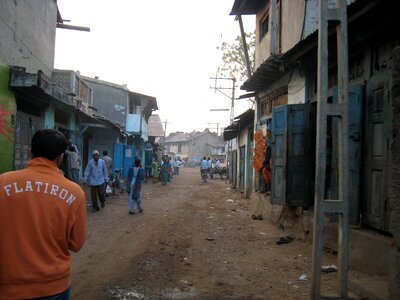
{"points": [[8, 110]]}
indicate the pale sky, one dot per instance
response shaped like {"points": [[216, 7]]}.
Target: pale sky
{"points": [[164, 49]]}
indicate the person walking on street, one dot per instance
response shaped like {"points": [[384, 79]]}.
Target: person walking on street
{"points": [[109, 164], [135, 179], [177, 164], [96, 176], [155, 174], [170, 169], [209, 162], [204, 167], [73, 164], [165, 171], [42, 219]]}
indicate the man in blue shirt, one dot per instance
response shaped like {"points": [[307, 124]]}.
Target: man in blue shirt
{"points": [[204, 166], [96, 175]]}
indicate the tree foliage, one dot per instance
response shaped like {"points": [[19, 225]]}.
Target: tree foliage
{"points": [[233, 58]]}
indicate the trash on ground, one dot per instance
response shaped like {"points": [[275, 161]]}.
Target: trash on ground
{"points": [[303, 277], [329, 269], [210, 239], [284, 240], [230, 200]]}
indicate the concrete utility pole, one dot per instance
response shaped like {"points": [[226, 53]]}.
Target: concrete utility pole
{"points": [[165, 131], [220, 89], [232, 97], [213, 127], [325, 112]]}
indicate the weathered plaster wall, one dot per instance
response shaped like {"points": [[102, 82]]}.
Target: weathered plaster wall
{"points": [[262, 46], [292, 15], [311, 23], [28, 33], [110, 100], [291, 31], [296, 88], [394, 198]]}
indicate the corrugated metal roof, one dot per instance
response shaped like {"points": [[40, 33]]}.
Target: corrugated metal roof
{"points": [[239, 122], [246, 7], [274, 67], [266, 74]]}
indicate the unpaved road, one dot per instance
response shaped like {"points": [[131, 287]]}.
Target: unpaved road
{"points": [[193, 241]]}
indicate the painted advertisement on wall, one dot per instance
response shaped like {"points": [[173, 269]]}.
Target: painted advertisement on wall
{"points": [[8, 110]]}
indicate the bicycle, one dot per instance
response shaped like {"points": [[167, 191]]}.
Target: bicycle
{"points": [[117, 183]]}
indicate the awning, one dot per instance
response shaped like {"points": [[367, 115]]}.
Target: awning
{"points": [[94, 121], [241, 121]]}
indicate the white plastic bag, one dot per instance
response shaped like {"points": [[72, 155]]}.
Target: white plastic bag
{"points": [[108, 190]]}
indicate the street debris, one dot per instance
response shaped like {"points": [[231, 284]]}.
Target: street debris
{"points": [[329, 269], [303, 277], [259, 217], [120, 293], [284, 240]]}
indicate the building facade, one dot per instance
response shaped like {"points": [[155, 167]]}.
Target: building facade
{"points": [[285, 85]]}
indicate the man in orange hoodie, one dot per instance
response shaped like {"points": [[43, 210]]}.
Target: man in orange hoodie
{"points": [[42, 218]]}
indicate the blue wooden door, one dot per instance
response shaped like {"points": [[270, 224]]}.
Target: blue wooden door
{"points": [[378, 135], [242, 170], [118, 157], [129, 155], [291, 158], [249, 169], [279, 154], [298, 160], [355, 109]]}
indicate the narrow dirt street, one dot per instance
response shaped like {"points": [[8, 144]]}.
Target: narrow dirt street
{"points": [[194, 241]]}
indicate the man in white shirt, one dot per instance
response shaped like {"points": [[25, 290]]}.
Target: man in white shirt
{"points": [[96, 175]]}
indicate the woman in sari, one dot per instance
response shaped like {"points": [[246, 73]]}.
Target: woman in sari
{"points": [[165, 171]]}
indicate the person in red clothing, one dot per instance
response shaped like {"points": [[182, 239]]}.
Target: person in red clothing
{"points": [[266, 172], [42, 218]]}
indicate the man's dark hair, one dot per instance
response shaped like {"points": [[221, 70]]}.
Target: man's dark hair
{"points": [[48, 143], [105, 152], [137, 162]]}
